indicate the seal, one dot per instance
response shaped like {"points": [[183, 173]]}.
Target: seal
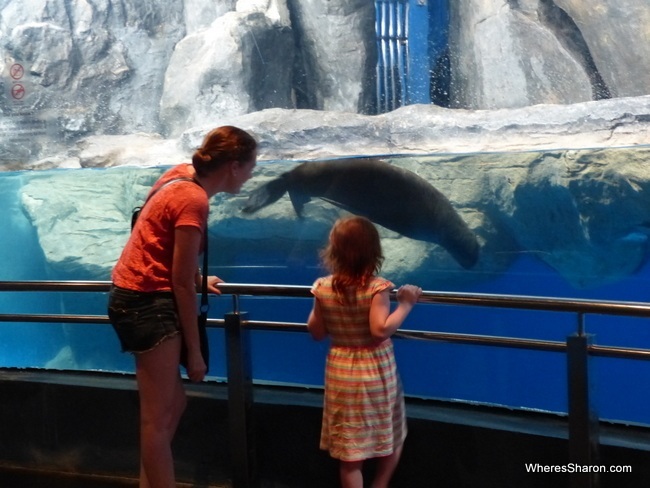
{"points": [[390, 196]]}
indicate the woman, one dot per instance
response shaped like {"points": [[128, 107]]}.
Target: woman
{"points": [[153, 305]]}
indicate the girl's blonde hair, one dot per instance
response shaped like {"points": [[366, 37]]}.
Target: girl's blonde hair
{"points": [[353, 254]]}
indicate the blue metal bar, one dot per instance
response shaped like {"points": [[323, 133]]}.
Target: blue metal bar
{"points": [[391, 27], [402, 51]]}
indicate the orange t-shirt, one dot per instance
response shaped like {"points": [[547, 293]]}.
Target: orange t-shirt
{"points": [[146, 261]]}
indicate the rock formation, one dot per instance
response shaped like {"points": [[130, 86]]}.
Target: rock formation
{"points": [[568, 187], [121, 67], [536, 87]]}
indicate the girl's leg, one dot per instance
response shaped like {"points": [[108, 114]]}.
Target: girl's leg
{"points": [[162, 402], [385, 468], [351, 475]]}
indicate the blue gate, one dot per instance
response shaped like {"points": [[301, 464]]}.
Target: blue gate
{"points": [[411, 49], [392, 53]]}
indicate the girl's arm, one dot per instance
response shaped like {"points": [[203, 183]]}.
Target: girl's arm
{"points": [[315, 322], [187, 241], [383, 324]]}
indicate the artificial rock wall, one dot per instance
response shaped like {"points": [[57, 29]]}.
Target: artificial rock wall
{"points": [[124, 66]]}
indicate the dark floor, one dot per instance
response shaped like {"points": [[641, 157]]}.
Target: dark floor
{"points": [[22, 478], [80, 424], [12, 477]]}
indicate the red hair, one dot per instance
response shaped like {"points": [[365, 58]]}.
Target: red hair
{"points": [[222, 145], [353, 253]]}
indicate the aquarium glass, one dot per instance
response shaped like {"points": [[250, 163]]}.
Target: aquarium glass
{"points": [[95, 96]]}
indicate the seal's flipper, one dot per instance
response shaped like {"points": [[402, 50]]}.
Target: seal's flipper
{"points": [[265, 195], [342, 206], [298, 201]]}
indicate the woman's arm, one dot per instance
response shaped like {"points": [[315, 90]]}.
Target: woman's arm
{"points": [[383, 324], [315, 322], [187, 241], [213, 281]]}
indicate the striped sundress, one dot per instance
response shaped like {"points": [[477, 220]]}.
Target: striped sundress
{"points": [[363, 411]]}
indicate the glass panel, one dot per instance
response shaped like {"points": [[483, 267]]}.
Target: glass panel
{"points": [[245, 254], [86, 87]]}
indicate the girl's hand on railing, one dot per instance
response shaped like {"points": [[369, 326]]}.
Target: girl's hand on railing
{"points": [[409, 294]]}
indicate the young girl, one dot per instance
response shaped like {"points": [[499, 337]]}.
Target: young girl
{"points": [[363, 414]]}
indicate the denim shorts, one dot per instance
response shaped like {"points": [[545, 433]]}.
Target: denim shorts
{"points": [[142, 320]]}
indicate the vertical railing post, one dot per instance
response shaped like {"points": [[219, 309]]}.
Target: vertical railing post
{"points": [[240, 402], [583, 418]]}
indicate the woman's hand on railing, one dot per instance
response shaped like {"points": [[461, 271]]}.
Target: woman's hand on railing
{"points": [[213, 281]]}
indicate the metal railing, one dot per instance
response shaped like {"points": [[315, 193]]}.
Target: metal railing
{"points": [[582, 417]]}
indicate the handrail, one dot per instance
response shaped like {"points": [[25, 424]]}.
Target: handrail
{"points": [[579, 306], [476, 339], [583, 442], [47, 285], [574, 305]]}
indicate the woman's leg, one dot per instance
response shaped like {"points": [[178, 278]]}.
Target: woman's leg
{"points": [[385, 468], [351, 475], [162, 402]]}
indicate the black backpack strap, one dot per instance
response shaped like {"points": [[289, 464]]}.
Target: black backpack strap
{"points": [[173, 180], [135, 213], [204, 277]]}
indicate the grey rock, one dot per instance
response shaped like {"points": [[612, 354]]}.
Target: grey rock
{"points": [[90, 210], [425, 129], [89, 68], [94, 68], [617, 35], [523, 52], [227, 68], [337, 56], [503, 56], [582, 211], [199, 14]]}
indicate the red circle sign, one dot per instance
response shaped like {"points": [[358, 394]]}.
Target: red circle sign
{"points": [[18, 91], [17, 71]]}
